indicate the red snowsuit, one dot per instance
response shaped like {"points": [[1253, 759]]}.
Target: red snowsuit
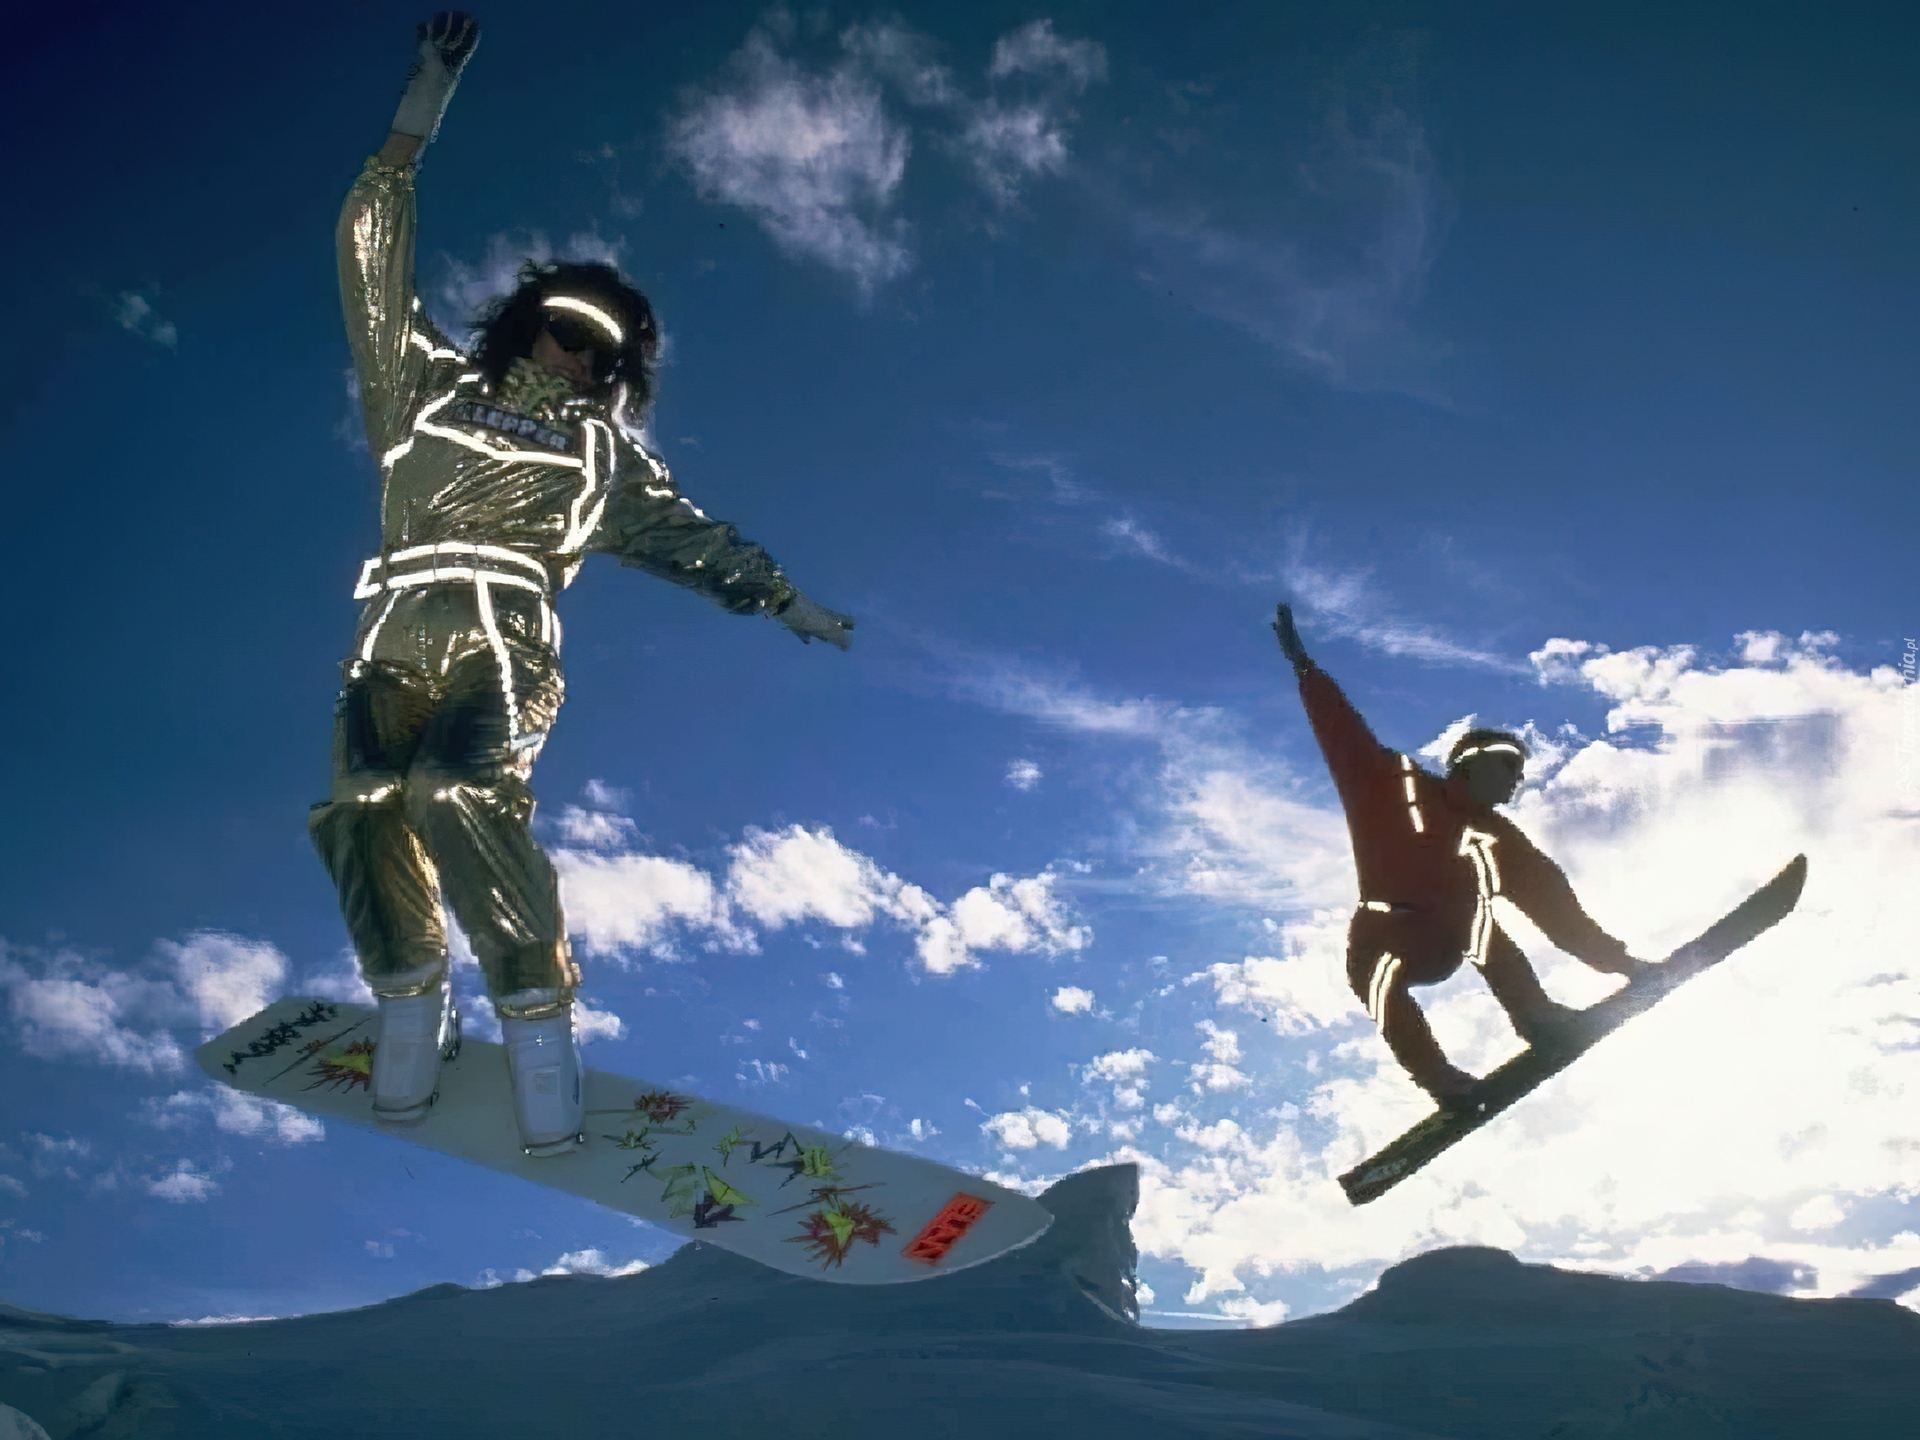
{"points": [[1430, 860]]}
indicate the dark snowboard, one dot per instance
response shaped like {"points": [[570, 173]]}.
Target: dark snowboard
{"points": [[1517, 1078]]}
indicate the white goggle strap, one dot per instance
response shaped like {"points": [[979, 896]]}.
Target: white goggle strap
{"points": [[592, 313]]}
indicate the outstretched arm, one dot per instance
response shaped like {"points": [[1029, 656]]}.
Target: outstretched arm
{"points": [[1542, 892], [1345, 738], [649, 524], [1290, 645], [393, 345], [446, 44]]}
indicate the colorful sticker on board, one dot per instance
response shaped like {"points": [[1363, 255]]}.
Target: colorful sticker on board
{"points": [[662, 1106], [942, 1232], [830, 1232], [347, 1069], [729, 1142], [695, 1190], [815, 1162], [718, 1204], [641, 1140]]}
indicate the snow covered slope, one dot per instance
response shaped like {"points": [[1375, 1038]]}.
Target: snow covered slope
{"points": [[1466, 1343]]}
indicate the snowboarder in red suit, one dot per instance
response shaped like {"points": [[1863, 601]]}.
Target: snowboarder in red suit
{"points": [[1431, 855]]}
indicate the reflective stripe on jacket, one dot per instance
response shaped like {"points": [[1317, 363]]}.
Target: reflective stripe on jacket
{"points": [[1422, 842]]}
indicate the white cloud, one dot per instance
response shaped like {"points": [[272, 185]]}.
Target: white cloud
{"points": [[1120, 1065], [184, 1184], [592, 1261], [1343, 603], [223, 1320], [1007, 144], [1130, 537], [1024, 1129], [1822, 1212], [68, 1007], [1008, 141], [633, 902], [1217, 1076], [763, 1072], [351, 427], [1034, 49], [1331, 270], [1018, 915], [234, 1112], [903, 58], [812, 150], [228, 978], [1222, 1045], [595, 829], [65, 1007], [779, 877], [341, 980], [590, 1024], [60, 1158], [1752, 1114], [1346, 604], [602, 796], [1072, 1000], [1254, 1312], [1220, 819], [1126, 1071], [1302, 994], [11, 1186], [812, 155], [468, 285], [1023, 775], [134, 313]]}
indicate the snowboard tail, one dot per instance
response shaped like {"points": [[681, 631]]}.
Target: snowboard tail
{"points": [[1520, 1076], [798, 1199]]}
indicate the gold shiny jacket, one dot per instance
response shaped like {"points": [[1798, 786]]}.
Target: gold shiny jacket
{"points": [[514, 484]]}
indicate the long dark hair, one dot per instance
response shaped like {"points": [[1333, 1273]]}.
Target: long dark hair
{"points": [[506, 328]]}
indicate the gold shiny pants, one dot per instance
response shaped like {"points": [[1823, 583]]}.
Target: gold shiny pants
{"points": [[435, 733]]}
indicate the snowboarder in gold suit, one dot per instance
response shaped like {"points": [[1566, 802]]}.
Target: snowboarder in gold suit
{"points": [[501, 468]]}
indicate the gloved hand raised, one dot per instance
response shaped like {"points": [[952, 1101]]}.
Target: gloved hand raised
{"points": [[1290, 645], [446, 43], [815, 622]]}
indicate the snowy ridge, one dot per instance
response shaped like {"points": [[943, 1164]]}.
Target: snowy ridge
{"points": [[1459, 1343]]}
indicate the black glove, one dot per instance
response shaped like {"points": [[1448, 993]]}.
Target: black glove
{"points": [[1290, 645]]}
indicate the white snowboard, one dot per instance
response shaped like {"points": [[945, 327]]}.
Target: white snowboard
{"points": [[789, 1196]]}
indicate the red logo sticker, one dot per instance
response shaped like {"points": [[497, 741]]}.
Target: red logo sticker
{"points": [[956, 1217]]}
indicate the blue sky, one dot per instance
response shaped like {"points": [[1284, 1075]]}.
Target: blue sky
{"points": [[1557, 366]]}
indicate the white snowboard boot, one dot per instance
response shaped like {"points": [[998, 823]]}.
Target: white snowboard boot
{"points": [[415, 1031], [545, 1068]]}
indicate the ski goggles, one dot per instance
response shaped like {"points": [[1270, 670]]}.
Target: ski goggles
{"points": [[1498, 747], [583, 317], [584, 328]]}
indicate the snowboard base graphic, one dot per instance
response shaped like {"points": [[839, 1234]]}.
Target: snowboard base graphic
{"points": [[792, 1197]]}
